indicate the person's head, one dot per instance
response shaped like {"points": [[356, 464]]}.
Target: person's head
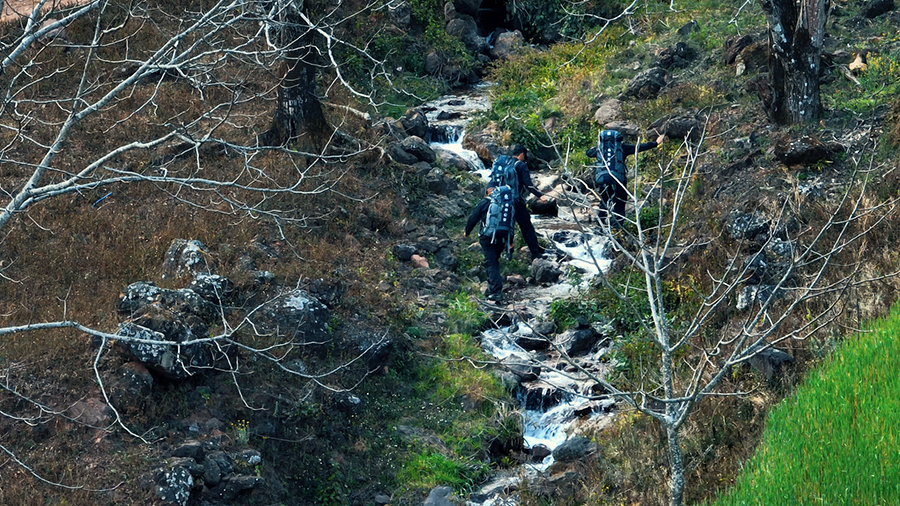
{"points": [[519, 152]]}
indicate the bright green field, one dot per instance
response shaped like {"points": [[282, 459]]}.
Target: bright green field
{"points": [[837, 440]]}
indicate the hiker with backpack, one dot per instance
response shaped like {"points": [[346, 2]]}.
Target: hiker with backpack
{"points": [[495, 213], [513, 171], [610, 173]]}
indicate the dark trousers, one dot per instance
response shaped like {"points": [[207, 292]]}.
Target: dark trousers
{"points": [[492, 252], [523, 218], [611, 192]]}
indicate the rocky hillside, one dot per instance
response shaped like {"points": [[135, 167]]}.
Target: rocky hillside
{"points": [[331, 353]]}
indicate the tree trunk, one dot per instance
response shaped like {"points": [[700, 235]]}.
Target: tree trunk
{"points": [[676, 466], [796, 33], [298, 112]]}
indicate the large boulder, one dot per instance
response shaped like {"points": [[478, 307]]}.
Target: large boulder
{"points": [[173, 361], [186, 257], [465, 29], [804, 150], [608, 110], [507, 44], [545, 271], [575, 449], [415, 123], [297, 315], [420, 149], [577, 341], [646, 85]]}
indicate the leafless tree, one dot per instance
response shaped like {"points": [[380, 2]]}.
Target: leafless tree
{"points": [[194, 103], [790, 283], [160, 94]]}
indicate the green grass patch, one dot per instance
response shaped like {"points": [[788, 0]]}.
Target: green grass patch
{"points": [[835, 441]]}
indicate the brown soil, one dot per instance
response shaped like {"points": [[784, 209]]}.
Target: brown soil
{"points": [[13, 9]]}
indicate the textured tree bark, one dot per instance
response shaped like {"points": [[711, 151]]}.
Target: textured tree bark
{"points": [[298, 114], [796, 33]]}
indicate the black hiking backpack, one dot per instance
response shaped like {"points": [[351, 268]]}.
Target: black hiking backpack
{"points": [[499, 221], [610, 160], [503, 173]]}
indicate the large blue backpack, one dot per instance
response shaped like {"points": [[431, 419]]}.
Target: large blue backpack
{"points": [[610, 160], [503, 173], [500, 221]]}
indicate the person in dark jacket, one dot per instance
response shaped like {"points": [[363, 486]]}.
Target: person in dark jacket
{"points": [[523, 216], [492, 247], [612, 187]]}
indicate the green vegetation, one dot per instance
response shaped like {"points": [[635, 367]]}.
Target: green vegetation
{"points": [[835, 441]]}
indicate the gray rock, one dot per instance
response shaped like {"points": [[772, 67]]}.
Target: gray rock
{"points": [[404, 252], [577, 341], [756, 293], [464, 28], [574, 449], [438, 182], [508, 44], [297, 315], [400, 13], [192, 449], [415, 123], [440, 496], [184, 257], [417, 147], [747, 226], [174, 486], [804, 150], [646, 85], [770, 362], [231, 486], [171, 361], [609, 110], [400, 155], [212, 287], [545, 271], [446, 259]]}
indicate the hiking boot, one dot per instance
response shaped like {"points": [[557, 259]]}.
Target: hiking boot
{"points": [[496, 297]]}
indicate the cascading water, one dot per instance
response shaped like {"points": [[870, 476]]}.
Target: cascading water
{"points": [[557, 400]]}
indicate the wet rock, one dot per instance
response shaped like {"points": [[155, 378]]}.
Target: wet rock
{"points": [[185, 257], [522, 371], [539, 452], [646, 85], [417, 147], [577, 341], [452, 160], [575, 449], [404, 252], [440, 496], [415, 123], [400, 155], [538, 396], [507, 44], [545, 271]]}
